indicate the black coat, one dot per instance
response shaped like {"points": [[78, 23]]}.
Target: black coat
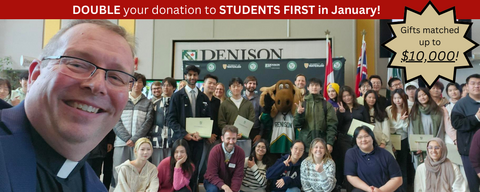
{"points": [[180, 109], [214, 107]]}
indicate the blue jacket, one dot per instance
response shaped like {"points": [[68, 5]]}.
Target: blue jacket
{"points": [[18, 164], [180, 108], [290, 174]]}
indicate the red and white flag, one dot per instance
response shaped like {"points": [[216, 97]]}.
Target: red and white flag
{"points": [[329, 77]]}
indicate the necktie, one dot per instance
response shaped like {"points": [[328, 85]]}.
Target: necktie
{"points": [[194, 99]]}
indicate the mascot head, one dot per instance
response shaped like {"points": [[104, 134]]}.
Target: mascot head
{"points": [[285, 95]]}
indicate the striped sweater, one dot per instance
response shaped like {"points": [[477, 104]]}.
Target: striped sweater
{"points": [[315, 181], [255, 178]]}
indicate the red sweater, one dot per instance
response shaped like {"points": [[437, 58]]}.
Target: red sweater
{"points": [[180, 180], [219, 173]]}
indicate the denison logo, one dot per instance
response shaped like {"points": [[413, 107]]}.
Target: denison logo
{"points": [[291, 65], [252, 66], [211, 67], [337, 65], [189, 55]]}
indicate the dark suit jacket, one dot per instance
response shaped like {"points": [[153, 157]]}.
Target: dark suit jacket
{"points": [[4, 104], [180, 109], [214, 107], [18, 164]]}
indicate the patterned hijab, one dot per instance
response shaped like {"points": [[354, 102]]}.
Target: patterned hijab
{"points": [[439, 175]]}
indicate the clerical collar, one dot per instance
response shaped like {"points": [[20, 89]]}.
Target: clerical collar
{"points": [[51, 161]]}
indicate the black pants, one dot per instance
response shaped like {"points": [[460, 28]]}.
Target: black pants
{"points": [[196, 150], [184, 189], [404, 159], [108, 168], [107, 162], [342, 144]]}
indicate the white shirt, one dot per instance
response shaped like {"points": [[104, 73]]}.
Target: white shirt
{"points": [[459, 185], [189, 90], [237, 101]]}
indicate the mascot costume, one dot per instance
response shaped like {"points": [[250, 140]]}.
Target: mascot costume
{"points": [[278, 102]]}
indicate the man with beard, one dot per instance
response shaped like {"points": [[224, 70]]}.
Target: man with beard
{"points": [[250, 84], [189, 102], [156, 91], [225, 164]]}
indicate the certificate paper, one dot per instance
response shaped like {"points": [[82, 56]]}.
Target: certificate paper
{"points": [[357, 123], [418, 142], [396, 141], [243, 125], [201, 125]]}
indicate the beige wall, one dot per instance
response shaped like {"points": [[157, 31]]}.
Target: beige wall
{"points": [[20, 37], [342, 32], [154, 38]]}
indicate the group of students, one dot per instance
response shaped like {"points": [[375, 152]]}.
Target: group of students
{"points": [[292, 172], [415, 110], [366, 161]]}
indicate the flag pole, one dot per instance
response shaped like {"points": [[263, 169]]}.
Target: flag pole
{"points": [[329, 74]]}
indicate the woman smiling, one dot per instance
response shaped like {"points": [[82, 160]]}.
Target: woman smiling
{"points": [[438, 173], [318, 169], [369, 167]]}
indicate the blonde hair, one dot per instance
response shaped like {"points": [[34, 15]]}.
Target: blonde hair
{"points": [[223, 97], [140, 142], [327, 154]]}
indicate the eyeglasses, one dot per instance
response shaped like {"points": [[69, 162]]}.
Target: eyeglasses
{"points": [[363, 137], [431, 147], [83, 69]]}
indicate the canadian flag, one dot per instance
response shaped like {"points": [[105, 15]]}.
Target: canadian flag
{"points": [[329, 77]]}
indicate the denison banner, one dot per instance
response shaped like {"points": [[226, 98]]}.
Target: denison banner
{"points": [[269, 71]]}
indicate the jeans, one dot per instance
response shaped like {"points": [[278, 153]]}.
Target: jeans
{"points": [[210, 187], [293, 189], [472, 177]]}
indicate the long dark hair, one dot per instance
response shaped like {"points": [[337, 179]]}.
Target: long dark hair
{"points": [[402, 94], [432, 106], [352, 93], [366, 129], [378, 113], [187, 167], [265, 159]]}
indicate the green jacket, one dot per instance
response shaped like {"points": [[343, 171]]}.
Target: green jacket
{"points": [[312, 121], [228, 112]]}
